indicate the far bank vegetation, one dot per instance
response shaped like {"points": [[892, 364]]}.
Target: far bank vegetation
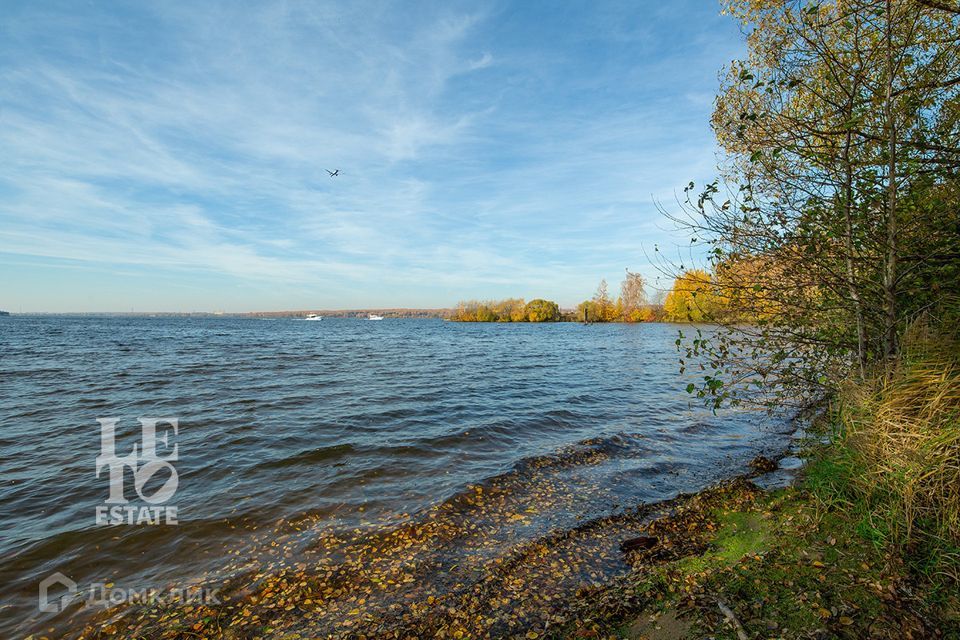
{"points": [[631, 305], [696, 296], [509, 310]]}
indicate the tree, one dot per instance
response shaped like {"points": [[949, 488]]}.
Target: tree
{"points": [[836, 208], [633, 298], [586, 311], [693, 298], [540, 310], [603, 308], [510, 310]]}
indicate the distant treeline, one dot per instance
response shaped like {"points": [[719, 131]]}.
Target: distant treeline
{"points": [[696, 296], [509, 310], [631, 306]]}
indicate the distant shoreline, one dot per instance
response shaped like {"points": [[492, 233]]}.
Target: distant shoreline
{"points": [[361, 314]]}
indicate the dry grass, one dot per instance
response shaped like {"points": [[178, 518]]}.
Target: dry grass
{"points": [[901, 433]]}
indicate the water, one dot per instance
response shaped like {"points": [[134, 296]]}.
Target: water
{"points": [[333, 430]]}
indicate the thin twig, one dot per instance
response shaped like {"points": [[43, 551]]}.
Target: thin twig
{"points": [[725, 610]]}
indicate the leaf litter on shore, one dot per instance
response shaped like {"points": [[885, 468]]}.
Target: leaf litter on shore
{"points": [[487, 563]]}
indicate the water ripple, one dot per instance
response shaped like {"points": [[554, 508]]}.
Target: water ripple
{"points": [[344, 424]]}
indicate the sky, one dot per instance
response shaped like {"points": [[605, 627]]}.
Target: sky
{"points": [[172, 156]]}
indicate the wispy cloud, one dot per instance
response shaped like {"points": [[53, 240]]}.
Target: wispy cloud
{"points": [[482, 152]]}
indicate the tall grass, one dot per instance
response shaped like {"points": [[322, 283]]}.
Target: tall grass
{"points": [[898, 448]]}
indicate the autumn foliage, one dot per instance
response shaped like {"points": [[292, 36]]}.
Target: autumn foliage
{"points": [[694, 298], [508, 310]]}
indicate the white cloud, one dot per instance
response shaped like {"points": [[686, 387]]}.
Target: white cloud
{"points": [[195, 138], [482, 62]]}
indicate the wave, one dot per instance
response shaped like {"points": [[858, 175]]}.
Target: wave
{"points": [[310, 456]]}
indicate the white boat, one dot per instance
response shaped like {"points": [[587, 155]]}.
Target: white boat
{"points": [[313, 316], [374, 316]]}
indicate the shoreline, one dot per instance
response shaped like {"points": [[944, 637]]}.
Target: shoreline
{"points": [[526, 589], [762, 554], [731, 558]]}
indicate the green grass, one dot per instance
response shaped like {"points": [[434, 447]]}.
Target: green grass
{"points": [[790, 566], [740, 534]]}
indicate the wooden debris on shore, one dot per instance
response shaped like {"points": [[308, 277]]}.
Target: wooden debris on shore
{"points": [[728, 614], [640, 543]]}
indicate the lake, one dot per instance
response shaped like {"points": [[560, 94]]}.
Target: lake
{"points": [[321, 433]]}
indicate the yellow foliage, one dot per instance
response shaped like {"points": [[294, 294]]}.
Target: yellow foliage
{"points": [[508, 310], [642, 314], [694, 298], [540, 310], [743, 284]]}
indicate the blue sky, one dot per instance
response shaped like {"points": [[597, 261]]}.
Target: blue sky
{"points": [[170, 156]]}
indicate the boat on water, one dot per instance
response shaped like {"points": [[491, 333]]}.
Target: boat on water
{"points": [[374, 316], [313, 316]]}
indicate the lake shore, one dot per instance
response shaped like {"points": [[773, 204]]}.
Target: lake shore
{"points": [[539, 589], [861, 545], [393, 450], [732, 561], [777, 564]]}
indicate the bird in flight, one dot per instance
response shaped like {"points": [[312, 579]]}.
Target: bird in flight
{"points": [[333, 174]]}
